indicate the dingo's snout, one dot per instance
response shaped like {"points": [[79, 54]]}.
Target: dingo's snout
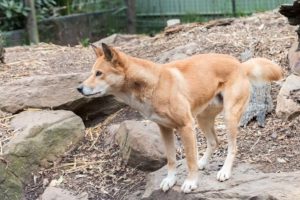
{"points": [[80, 88]]}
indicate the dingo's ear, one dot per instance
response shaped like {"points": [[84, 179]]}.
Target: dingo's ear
{"points": [[109, 53], [97, 50]]}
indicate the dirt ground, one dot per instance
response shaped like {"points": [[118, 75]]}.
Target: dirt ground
{"points": [[95, 166]]}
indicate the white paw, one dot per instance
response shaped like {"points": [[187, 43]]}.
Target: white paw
{"points": [[202, 163], [224, 174], [189, 185], [168, 182]]}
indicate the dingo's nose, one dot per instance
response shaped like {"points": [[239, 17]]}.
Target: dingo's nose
{"points": [[80, 88]]}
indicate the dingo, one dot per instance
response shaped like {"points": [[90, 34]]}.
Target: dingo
{"points": [[173, 94]]}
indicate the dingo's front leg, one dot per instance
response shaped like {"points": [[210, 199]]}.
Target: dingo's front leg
{"points": [[168, 138], [189, 142]]}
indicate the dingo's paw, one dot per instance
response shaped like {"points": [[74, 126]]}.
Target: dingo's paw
{"points": [[202, 163], [189, 185], [224, 174], [168, 182]]}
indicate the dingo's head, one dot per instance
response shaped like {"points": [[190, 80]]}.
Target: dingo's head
{"points": [[107, 73]]}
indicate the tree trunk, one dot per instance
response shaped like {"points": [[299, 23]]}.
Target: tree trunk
{"points": [[130, 4], [2, 50], [31, 25]]}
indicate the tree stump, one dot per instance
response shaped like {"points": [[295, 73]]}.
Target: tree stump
{"points": [[260, 102]]}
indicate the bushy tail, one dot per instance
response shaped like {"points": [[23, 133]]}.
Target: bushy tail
{"points": [[262, 70]]}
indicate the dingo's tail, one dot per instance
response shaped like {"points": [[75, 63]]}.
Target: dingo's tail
{"points": [[262, 70]]}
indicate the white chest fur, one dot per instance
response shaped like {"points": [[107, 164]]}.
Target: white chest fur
{"points": [[145, 108]]}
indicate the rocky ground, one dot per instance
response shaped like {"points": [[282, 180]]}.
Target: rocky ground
{"points": [[95, 165]]}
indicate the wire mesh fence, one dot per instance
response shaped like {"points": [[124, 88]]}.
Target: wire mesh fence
{"points": [[153, 14]]}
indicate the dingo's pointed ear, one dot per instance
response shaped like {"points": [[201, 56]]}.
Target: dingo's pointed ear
{"points": [[98, 51], [109, 53]]}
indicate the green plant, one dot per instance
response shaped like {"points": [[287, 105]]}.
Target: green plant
{"points": [[192, 17], [45, 8], [63, 7], [12, 14], [85, 42]]}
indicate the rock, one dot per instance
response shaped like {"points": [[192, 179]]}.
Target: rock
{"points": [[41, 138], [54, 193], [141, 145], [55, 92], [180, 52], [246, 183], [11, 187], [294, 58], [287, 107], [111, 132], [172, 22], [119, 39], [260, 104]]}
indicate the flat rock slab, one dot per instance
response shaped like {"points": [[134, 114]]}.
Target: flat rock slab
{"points": [[55, 92], [54, 193], [288, 106], [246, 183]]}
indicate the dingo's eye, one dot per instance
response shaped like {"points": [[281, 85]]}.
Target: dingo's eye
{"points": [[98, 73]]}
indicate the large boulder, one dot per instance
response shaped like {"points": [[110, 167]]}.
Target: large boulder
{"points": [[141, 145], [246, 183], [41, 137], [288, 99], [55, 92], [121, 39]]}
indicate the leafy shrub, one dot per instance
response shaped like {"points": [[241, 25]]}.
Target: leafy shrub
{"points": [[13, 13]]}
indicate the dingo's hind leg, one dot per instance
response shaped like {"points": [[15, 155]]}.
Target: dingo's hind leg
{"points": [[206, 121], [235, 101]]}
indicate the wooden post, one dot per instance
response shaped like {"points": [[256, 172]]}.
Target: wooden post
{"points": [[31, 25], [130, 12], [233, 4]]}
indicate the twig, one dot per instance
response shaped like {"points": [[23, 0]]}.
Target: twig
{"points": [[7, 117], [255, 143]]}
